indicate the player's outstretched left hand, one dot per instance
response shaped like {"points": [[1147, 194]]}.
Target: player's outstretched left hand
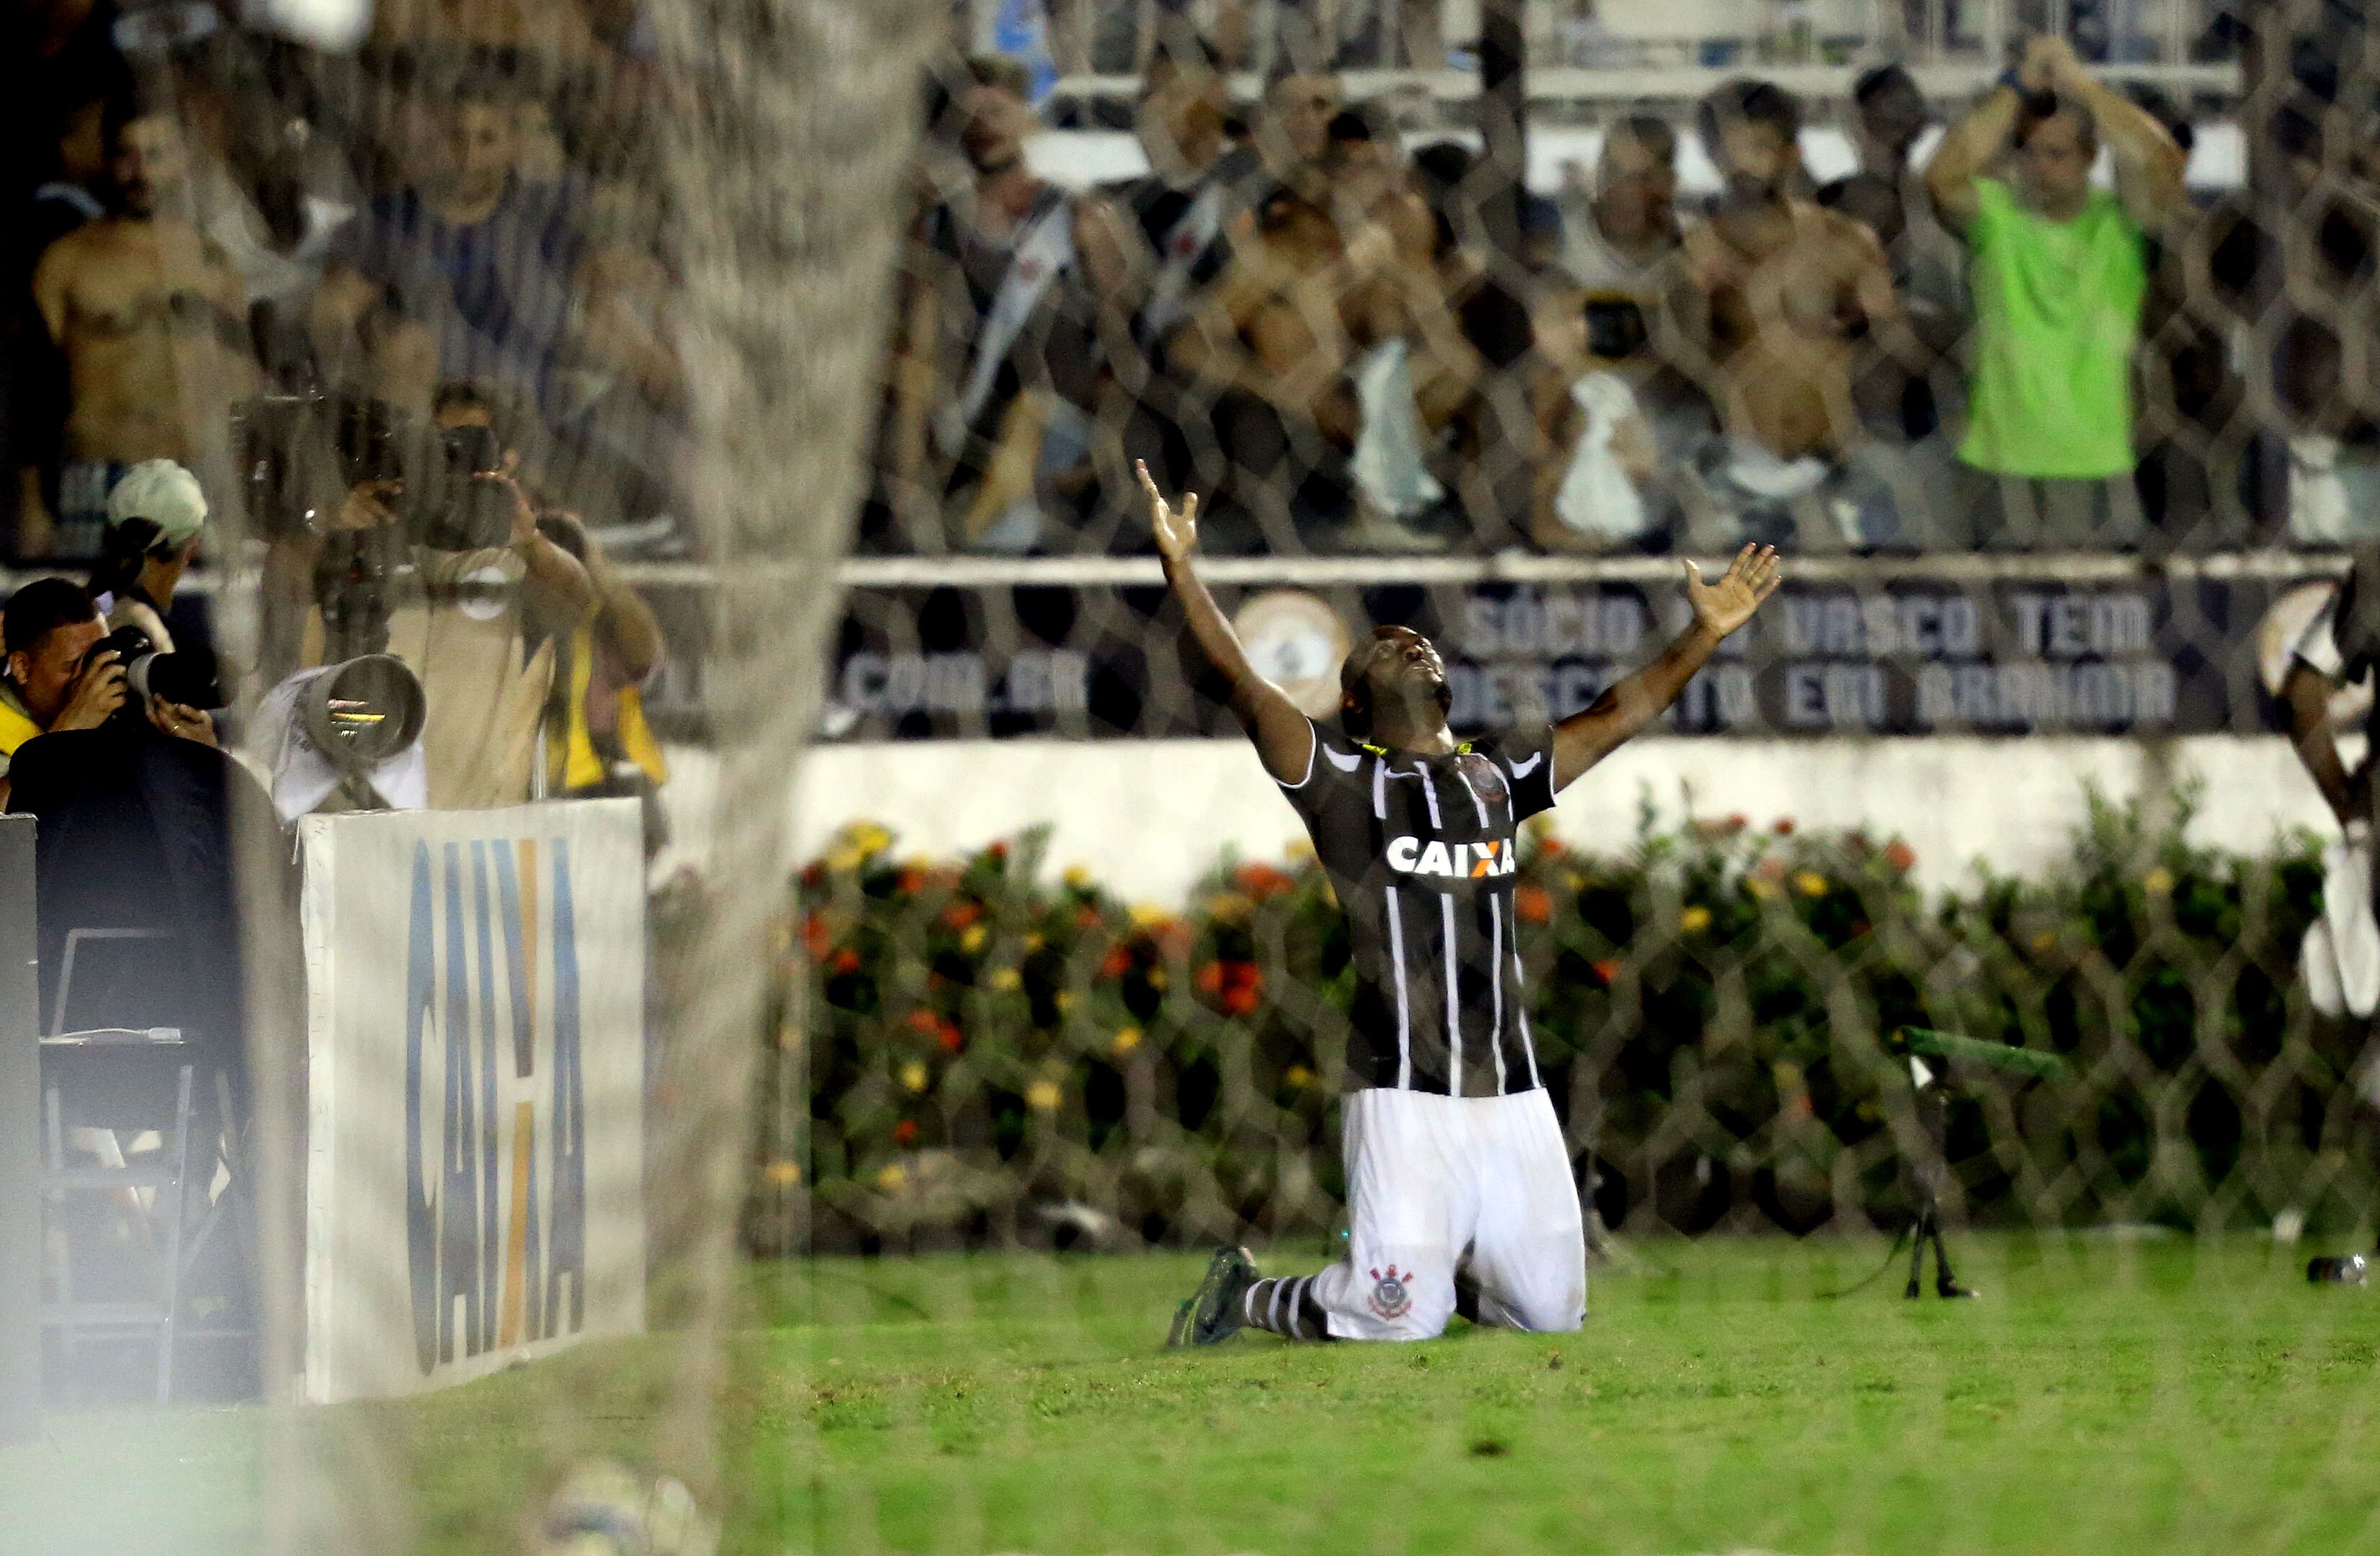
{"points": [[1729, 603], [1177, 530]]}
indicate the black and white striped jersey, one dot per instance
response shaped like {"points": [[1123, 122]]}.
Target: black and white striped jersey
{"points": [[1420, 850]]}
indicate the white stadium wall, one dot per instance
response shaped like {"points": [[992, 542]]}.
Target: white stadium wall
{"points": [[1147, 816]]}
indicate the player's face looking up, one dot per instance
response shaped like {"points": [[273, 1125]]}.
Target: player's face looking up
{"points": [[1395, 686]]}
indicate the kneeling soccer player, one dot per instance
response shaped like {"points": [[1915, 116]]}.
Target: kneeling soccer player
{"points": [[1453, 1154]]}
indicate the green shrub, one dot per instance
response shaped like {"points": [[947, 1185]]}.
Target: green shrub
{"points": [[989, 1056]]}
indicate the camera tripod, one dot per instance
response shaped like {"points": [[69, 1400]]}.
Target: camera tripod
{"points": [[1928, 1228]]}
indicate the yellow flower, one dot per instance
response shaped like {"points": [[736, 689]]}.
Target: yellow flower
{"points": [[1299, 850], [913, 1075], [1078, 877], [1156, 978], [1573, 880], [1299, 1077], [1033, 942], [972, 940], [1231, 904], [785, 1175], [843, 860], [2158, 882], [1148, 916], [1043, 1096], [1064, 1000], [1127, 1040], [1810, 883], [890, 1176], [1006, 979], [865, 836], [1760, 886], [2045, 939], [1694, 920]]}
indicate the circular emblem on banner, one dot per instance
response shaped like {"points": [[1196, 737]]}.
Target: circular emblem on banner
{"points": [[2277, 639], [1296, 641]]}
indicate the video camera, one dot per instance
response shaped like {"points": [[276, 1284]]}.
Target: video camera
{"points": [[186, 676]]}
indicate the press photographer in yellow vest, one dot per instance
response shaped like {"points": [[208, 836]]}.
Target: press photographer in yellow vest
{"points": [[53, 680], [597, 740]]}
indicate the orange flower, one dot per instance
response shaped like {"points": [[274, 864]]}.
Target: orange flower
{"points": [[846, 960], [913, 880], [1262, 881], [905, 1132], [950, 1036], [960, 913], [1116, 963], [1608, 971], [1533, 904], [1783, 827], [815, 938], [1901, 855], [1209, 978], [1087, 917], [925, 1021]]}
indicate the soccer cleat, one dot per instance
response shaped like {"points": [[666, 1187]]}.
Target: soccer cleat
{"points": [[1212, 1313]]}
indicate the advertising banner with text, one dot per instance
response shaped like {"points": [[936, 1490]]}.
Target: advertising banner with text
{"points": [[475, 1034], [1907, 654]]}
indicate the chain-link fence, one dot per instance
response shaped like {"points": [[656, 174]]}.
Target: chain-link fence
{"points": [[670, 387]]}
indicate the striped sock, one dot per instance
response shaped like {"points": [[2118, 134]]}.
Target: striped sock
{"points": [[1286, 1307]]}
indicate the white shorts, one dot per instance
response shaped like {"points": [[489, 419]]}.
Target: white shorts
{"points": [[1437, 1181]]}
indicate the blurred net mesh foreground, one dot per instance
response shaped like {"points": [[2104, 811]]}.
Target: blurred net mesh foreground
{"points": [[996, 1061]]}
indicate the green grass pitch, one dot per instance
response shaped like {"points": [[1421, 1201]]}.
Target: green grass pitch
{"points": [[2105, 1396]]}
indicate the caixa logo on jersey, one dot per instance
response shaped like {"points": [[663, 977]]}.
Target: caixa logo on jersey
{"points": [[1453, 861], [495, 1163]]}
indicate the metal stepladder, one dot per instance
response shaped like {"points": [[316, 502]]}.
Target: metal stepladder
{"points": [[102, 1087]]}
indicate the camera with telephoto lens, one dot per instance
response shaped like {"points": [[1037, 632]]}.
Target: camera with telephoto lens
{"points": [[301, 455], [184, 676], [456, 504]]}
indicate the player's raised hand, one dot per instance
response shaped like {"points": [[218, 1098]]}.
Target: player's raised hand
{"points": [[1177, 532], [1729, 603]]}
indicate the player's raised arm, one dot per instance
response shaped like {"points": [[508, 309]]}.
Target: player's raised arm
{"points": [[1583, 739], [1284, 739]]}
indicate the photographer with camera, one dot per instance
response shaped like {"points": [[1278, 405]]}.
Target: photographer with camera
{"points": [[61, 674], [154, 516], [134, 802], [428, 550]]}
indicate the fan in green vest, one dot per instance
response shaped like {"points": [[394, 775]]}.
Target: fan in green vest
{"points": [[2057, 270]]}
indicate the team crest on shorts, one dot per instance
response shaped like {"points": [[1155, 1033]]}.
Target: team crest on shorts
{"points": [[1389, 1298]]}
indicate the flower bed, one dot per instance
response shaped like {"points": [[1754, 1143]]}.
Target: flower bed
{"points": [[989, 1054]]}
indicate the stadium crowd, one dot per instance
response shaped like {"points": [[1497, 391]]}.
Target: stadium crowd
{"points": [[1295, 308], [1292, 311], [405, 309]]}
